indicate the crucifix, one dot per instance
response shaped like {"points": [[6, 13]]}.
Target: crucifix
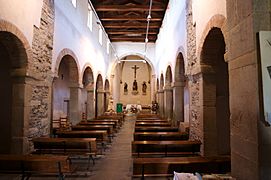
{"points": [[135, 68]]}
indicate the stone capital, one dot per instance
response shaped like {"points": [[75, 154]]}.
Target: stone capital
{"points": [[168, 87], [160, 91], [178, 84], [100, 91]]}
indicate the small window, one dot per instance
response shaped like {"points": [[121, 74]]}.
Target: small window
{"points": [[74, 3], [100, 35], [89, 23], [108, 47]]}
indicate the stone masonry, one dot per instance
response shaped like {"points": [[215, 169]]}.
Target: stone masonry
{"points": [[42, 46]]}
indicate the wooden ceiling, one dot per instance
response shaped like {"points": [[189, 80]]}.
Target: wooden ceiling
{"points": [[126, 20]]}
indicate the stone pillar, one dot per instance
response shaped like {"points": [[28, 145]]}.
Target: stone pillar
{"points": [[178, 103], [90, 104], [161, 102], [100, 102], [168, 102], [21, 95], [74, 105], [107, 95]]}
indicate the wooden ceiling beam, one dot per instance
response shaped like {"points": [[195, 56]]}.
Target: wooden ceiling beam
{"points": [[128, 8], [127, 26], [130, 32], [121, 18]]}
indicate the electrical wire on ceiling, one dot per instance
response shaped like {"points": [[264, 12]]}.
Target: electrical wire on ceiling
{"points": [[147, 30]]}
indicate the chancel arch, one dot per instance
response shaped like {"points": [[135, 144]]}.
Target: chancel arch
{"points": [[14, 106], [99, 96], [168, 95], [133, 81], [215, 95], [88, 93], [66, 90]]}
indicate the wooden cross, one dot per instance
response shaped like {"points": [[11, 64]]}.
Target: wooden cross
{"points": [[135, 68]]}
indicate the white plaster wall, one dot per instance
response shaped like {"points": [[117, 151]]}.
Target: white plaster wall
{"points": [[203, 11], [172, 37], [71, 32], [23, 14]]}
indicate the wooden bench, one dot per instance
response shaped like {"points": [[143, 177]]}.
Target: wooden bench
{"points": [[148, 116], [107, 128], [98, 123], [117, 123], [165, 148], [151, 120], [156, 129], [149, 124], [164, 167], [29, 165], [112, 116], [66, 146], [160, 136]]}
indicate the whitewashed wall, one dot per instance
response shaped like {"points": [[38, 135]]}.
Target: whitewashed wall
{"points": [[23, 14], [172, 37], [203, 11], [71, 32]]}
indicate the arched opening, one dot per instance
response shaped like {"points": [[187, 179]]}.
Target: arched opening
{"points": [[161, 96], [66, 91], [168, 95], [99, 96], [180, 92], [215, 105], [87, 102], [12, 94], [157, 89], [106, 94]]}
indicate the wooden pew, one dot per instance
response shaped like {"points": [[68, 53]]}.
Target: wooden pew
{"points": [[107, 128], [112, 116], [156, 129], [159, 136], [66, 146], [148, 116], [100, 135], [28, 165], [164, 167], [149, 124], [98, 123], [116, 121], [152, 120], [165, 148]]}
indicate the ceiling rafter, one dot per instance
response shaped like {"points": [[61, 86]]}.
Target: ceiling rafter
{"points": [[126, 20]]}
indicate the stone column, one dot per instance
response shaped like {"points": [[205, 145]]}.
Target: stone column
{"points": [[74, 105], [90, 104], [178, 103], [21, 96], [161, 102], [100, 102], [107, 95], [168, 102]]}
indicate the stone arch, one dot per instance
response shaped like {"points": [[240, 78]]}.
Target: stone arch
{"points": [[179, 91], [106, 94], [87, 93], [69, 53], [16, 56], [168, 75], [168, 95], [161, 96], [218, 21], [99, 96], [66, 88], [215, 111], [161, 81]]}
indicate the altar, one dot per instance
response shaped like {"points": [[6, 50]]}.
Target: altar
{"points": [[130, 106]]}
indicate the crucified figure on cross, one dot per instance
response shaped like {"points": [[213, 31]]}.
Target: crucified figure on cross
{"points": [[135, 68]]}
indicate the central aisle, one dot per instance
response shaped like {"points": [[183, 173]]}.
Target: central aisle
{"points": [[117, 163]]}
